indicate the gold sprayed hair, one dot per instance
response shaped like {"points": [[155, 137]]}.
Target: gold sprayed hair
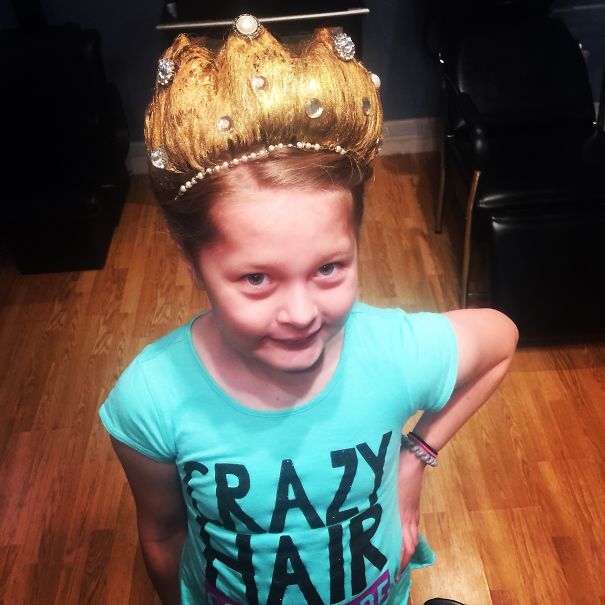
{"points": [[254, 96]]}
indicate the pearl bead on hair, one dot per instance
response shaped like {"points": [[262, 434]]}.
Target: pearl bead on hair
{"points": [[262, 153]]}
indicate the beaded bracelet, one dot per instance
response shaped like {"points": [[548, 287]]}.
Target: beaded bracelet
{"points": [[424, 448], [418, 451], [420, 441]]}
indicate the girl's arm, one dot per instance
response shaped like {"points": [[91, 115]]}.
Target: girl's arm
{"points": [[486, 342], [161, 518]]}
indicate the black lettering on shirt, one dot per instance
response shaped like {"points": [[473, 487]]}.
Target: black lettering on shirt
{"points": [[376, 462], [347, 459], [189, 468], [288, 478], [226, 496], [362, 548], [243, 564], [337, 564], [287, 553]]}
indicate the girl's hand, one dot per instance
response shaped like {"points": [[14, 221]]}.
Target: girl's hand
{"points": [[411, 472]]}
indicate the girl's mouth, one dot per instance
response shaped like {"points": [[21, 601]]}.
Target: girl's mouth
{"points": [[297, 342]]}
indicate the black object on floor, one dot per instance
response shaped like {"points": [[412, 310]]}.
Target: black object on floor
{"points": [[64, 176], [440, 601]]}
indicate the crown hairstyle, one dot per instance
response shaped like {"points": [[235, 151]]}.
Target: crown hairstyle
{"points": [[254, 97]]}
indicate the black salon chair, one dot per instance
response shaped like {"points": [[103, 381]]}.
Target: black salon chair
{"points": [[63, 157], [522, 135]]}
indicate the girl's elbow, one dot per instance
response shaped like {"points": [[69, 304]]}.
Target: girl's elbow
{"points": [[508, 334]]}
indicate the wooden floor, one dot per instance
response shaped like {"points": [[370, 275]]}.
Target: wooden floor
{"points": [[516, 510]]}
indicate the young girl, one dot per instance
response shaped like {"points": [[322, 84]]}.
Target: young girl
{"points": [[262, 440]]}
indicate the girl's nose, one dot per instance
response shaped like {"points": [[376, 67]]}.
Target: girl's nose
{"points": [[298, 308]]}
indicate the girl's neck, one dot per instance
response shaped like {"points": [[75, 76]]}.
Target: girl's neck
{"points": [[255, 385]]}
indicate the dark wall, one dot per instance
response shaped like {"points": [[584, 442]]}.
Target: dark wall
{"points": [[392, 48], [130, 44], [587, 25]]}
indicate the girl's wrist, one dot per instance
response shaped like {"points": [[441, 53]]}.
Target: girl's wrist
{"points": [[410, 461], [426, 454]]}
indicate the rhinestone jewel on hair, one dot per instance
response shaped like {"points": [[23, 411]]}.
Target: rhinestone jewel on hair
{"points": [[166, 70], [344, 46], [159, 158], [314, 108], [256, 155]]}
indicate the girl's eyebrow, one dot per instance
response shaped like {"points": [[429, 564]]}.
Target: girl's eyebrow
{"points": [[250, 265]]}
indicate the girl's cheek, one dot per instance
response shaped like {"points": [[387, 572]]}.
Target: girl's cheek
{"points": [[245, 310]]}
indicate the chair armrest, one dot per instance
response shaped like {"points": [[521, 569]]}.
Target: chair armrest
{"points": [[474, 121]]}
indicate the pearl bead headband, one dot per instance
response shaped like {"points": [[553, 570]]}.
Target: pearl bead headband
{"points": [[250, 157]]}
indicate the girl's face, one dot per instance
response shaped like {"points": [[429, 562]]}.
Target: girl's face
{"points": [[281, 274]]}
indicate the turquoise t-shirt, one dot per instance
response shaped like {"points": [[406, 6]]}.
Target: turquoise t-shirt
{"points": [[300, 505]]}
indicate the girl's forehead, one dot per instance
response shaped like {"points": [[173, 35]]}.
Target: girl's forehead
{"points": [[261, 204], [277, 216]]}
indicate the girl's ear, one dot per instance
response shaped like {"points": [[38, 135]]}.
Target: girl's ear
{"points": [[192, 269]]}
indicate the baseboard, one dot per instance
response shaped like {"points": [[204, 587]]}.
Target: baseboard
{"points": [[400, 136], [136, 162], [410, 136]]}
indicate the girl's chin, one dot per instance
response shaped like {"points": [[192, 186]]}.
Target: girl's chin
{"points": [[292, 357]]}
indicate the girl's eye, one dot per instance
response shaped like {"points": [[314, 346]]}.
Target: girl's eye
{"points": [[327, 269], [255, 279]]}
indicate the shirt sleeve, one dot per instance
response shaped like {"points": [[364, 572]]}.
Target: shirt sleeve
{"points": [[131, 415], [432, 359]]}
